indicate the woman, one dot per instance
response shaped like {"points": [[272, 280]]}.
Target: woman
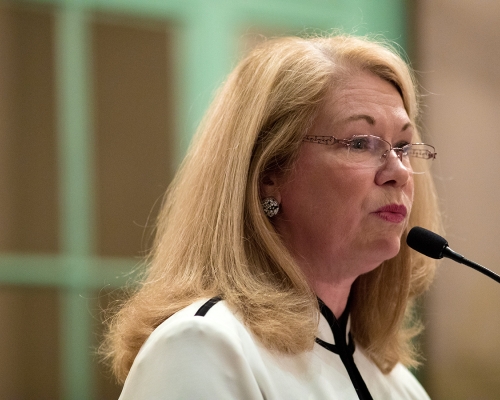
{"points": [[288, 213]]}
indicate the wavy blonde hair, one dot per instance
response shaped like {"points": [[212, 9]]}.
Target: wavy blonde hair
{"points": [[214, 239]]}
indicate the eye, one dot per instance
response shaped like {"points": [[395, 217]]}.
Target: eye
{"points": [[405, 146], [360, 143], [401, 144]]}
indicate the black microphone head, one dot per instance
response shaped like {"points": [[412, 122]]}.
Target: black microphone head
{"points": [[426, 242]]}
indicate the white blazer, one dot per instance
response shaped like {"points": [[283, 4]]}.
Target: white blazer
{"points": [[190, 357]]}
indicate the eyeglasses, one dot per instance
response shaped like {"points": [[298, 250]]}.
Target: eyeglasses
{"points": [[372, 151]]}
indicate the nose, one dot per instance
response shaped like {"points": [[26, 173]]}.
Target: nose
{"points": [[393, 172]]}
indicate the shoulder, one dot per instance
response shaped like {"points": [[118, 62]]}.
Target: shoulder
{"points": [[214, 313], [219, 323], [189, 355], [192, 333]]}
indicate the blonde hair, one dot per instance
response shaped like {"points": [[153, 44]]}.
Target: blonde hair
{"points": [[214, 239]]}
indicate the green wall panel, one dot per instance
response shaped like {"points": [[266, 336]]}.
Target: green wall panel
{"points": [[207, 41]]}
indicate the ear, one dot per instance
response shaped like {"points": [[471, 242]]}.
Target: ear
{"points": [[269, 186]]}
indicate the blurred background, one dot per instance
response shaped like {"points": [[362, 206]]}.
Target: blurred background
{"points": [[98, 102]]}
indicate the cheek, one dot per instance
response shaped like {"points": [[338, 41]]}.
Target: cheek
{"points": [[410, 191], [327, 195], [319, 189]]}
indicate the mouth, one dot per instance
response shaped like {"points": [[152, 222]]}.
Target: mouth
{"points": [[395, 213]]}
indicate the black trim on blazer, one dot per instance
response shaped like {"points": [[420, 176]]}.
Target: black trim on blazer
{"points": [[344, 350], [207, 306]]}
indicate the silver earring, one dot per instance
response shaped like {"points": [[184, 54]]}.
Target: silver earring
{"points": [[270, 206]]}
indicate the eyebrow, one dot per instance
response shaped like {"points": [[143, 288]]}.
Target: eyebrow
{"points": [[371, 120], [357, 117]]}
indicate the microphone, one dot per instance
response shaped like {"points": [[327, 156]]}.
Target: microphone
{"points": [[432, 245]]}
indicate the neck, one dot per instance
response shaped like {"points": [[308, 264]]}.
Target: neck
{"points": [[334, 295]]}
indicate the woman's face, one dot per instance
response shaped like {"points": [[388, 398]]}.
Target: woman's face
{"points": [[341, 220]]}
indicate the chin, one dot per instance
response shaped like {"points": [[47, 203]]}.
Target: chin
{"points": [[388, 248]]}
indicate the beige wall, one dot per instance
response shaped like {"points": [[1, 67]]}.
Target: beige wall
{"points": [[28, 201], [458, 59], [134, 140]]}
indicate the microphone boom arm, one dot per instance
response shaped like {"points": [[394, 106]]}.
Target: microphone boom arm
{"points": [[453, 255]]}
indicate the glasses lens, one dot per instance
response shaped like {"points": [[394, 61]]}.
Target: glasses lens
{"points": [[421, 156], [366, 150], [372, 151]]}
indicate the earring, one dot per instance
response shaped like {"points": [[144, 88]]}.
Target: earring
{"points": [[270, 206]]}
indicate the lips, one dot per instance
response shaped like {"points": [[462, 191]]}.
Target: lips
{"points": [[395, 213]]}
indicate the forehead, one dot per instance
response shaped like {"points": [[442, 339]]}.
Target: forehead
{"points": [[363, 94]]}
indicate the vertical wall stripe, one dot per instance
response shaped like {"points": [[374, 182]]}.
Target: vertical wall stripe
{"points": [[207, 45], [76, 196]]}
